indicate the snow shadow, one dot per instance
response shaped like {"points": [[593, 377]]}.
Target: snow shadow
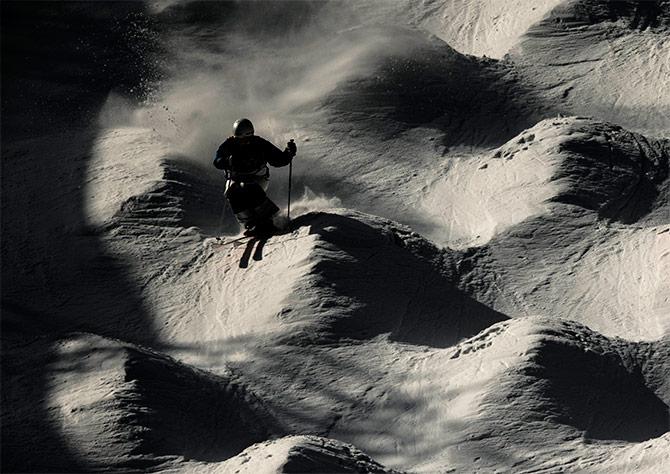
{"points": [[384, 280], [472, 101], [60, 61], [618, 173], [598, 394], [636, 15], [355, 393]]}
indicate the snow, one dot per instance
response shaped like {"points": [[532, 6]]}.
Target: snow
{"points": [[598, 250], [570, 62], [478, 27], [294, 454], [124, 164], [474, 278], [476, 198]]}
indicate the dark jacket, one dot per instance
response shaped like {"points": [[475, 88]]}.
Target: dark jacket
{"points": [[240, 157]]}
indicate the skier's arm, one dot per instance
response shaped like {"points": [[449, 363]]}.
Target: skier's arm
{"points": [[221, 158], [278, 158]]}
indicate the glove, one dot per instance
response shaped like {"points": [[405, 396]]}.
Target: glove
{"points": [[220, 162], [291, 149]]}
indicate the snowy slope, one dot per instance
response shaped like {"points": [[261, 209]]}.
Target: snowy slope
{"points": [[121, 406], [478, 27], [379, 142], [472, 281], [293, 454], [598, 251], [600, 59], [126, 408]]}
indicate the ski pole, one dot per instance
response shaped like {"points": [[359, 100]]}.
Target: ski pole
{"points": [[290, 173]]}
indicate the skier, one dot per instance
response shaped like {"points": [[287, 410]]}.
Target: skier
{"points": [[245, 158]]}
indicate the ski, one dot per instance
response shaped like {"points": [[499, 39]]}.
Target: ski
{"points": [[222, 241]]}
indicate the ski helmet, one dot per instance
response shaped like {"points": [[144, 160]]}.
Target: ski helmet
{"points": [[243, 128]]}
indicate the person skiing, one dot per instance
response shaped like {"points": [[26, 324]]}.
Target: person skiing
{"points": [[245, 157]]}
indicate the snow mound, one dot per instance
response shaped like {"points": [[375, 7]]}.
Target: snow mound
{"points": [[608, 389], [596, 395], [296, 454], [124, 162], [483, 27], [618, 174], [475, 198], [605, 59], [558, 388], [351, 253], [120, 406], [134, 179], [315, 284], [479, 27], [596, 250], [472, 101]]}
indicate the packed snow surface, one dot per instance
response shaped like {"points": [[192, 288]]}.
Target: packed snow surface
{"points": [[474, 278]]}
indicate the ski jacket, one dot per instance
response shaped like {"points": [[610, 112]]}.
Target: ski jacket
{"points": [[249, 157]]}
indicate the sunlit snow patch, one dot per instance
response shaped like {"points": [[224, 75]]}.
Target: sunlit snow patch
{"points": [[479, 197], [125, 162]]}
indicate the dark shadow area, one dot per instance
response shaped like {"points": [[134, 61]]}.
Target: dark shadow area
{"points": [[246, 255], [374, 282], [252, 250], [31, 440], [59, 62], [636, 14], [263, 19], [612, 171], [163, 409], [258, 253], [472, 101], [596, 393], [191, 413]]}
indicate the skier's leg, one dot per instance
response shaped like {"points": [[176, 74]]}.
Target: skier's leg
{"points": [[263, 212], [238, 199], [252, 208]]}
